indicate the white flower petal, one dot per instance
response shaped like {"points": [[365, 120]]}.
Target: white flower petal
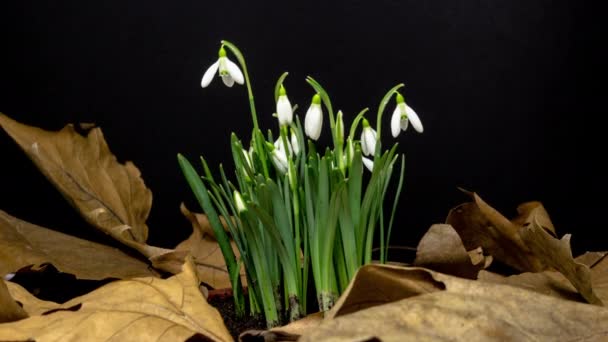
{"points": [[234, 71], [279, 145], [404, 123], [228, 81], [368, 141], [313, 122], [280, 161], [284, 111], [369, 164], [414, 119], [294, 144], [396, 122], [208, 76]]}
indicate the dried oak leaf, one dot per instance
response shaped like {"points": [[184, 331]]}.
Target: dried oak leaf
{"points": [[24, 244], [390, 303], [10, 311], [441, 249], [555, 284], [480, 225], [32, 305], [557, 254], [142, 309], [207, 254], [109, 195]]}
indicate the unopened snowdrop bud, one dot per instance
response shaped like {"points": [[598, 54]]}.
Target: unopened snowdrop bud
{"points": [[228, 71], [369, 164], [313, 122], [247, 158], [340, 126], [238, 202], [280, 161], [284, 110], [402, 115], [294, 143], [280, 145], [368, 139], [349, 152]]}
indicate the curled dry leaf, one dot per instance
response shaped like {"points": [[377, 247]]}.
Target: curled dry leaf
{"points": [[30, 304], [10, 311], [109, 195], [441, 249], [207, 254], [480, 225], [435, 306], [558, 255], [143, 309], [23, 244]]}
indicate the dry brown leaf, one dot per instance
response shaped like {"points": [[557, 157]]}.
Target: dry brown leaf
{"points": [[289, 332], [10, 311], [142, 309], [558, 255], [441, 249], [555, 284], [452, 308], [23, 244], [598, 262], [207, 254], [480, 225], [32, 305], [109, 195]]}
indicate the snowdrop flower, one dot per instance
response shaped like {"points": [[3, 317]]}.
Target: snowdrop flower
{"points": [[368, 139], [238, 202], [402, 115], [280, 161], [294, 143], [369, 164], [314, 118], [284, 110], [228, 71], [279, 145]]}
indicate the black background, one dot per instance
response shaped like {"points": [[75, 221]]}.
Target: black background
{"points": [[510, 93]]}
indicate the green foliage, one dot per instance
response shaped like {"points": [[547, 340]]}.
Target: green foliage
{"points": [[301, 211]]}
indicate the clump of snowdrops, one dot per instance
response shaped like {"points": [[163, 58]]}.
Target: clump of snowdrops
{"points": [[298, 210]]}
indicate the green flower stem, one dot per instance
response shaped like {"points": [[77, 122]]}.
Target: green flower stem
{"points": [[258, 145], [383, 104]]}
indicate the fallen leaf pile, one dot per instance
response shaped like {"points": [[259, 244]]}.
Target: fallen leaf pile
{"points": [[450, 292]]}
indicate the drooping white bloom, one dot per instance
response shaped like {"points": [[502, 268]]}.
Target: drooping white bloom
{"points": [[284, 110], [368, 139], [228, 71], [313, 122], [238, 202], [294, 143], [279, 145], [402, 115], [369, 164], [280, 161]]}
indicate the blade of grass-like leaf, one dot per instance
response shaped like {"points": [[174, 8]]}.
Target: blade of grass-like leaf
{"points": [[200, 192]]}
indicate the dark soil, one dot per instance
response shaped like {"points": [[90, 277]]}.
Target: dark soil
{"points": [[236, 325]]}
